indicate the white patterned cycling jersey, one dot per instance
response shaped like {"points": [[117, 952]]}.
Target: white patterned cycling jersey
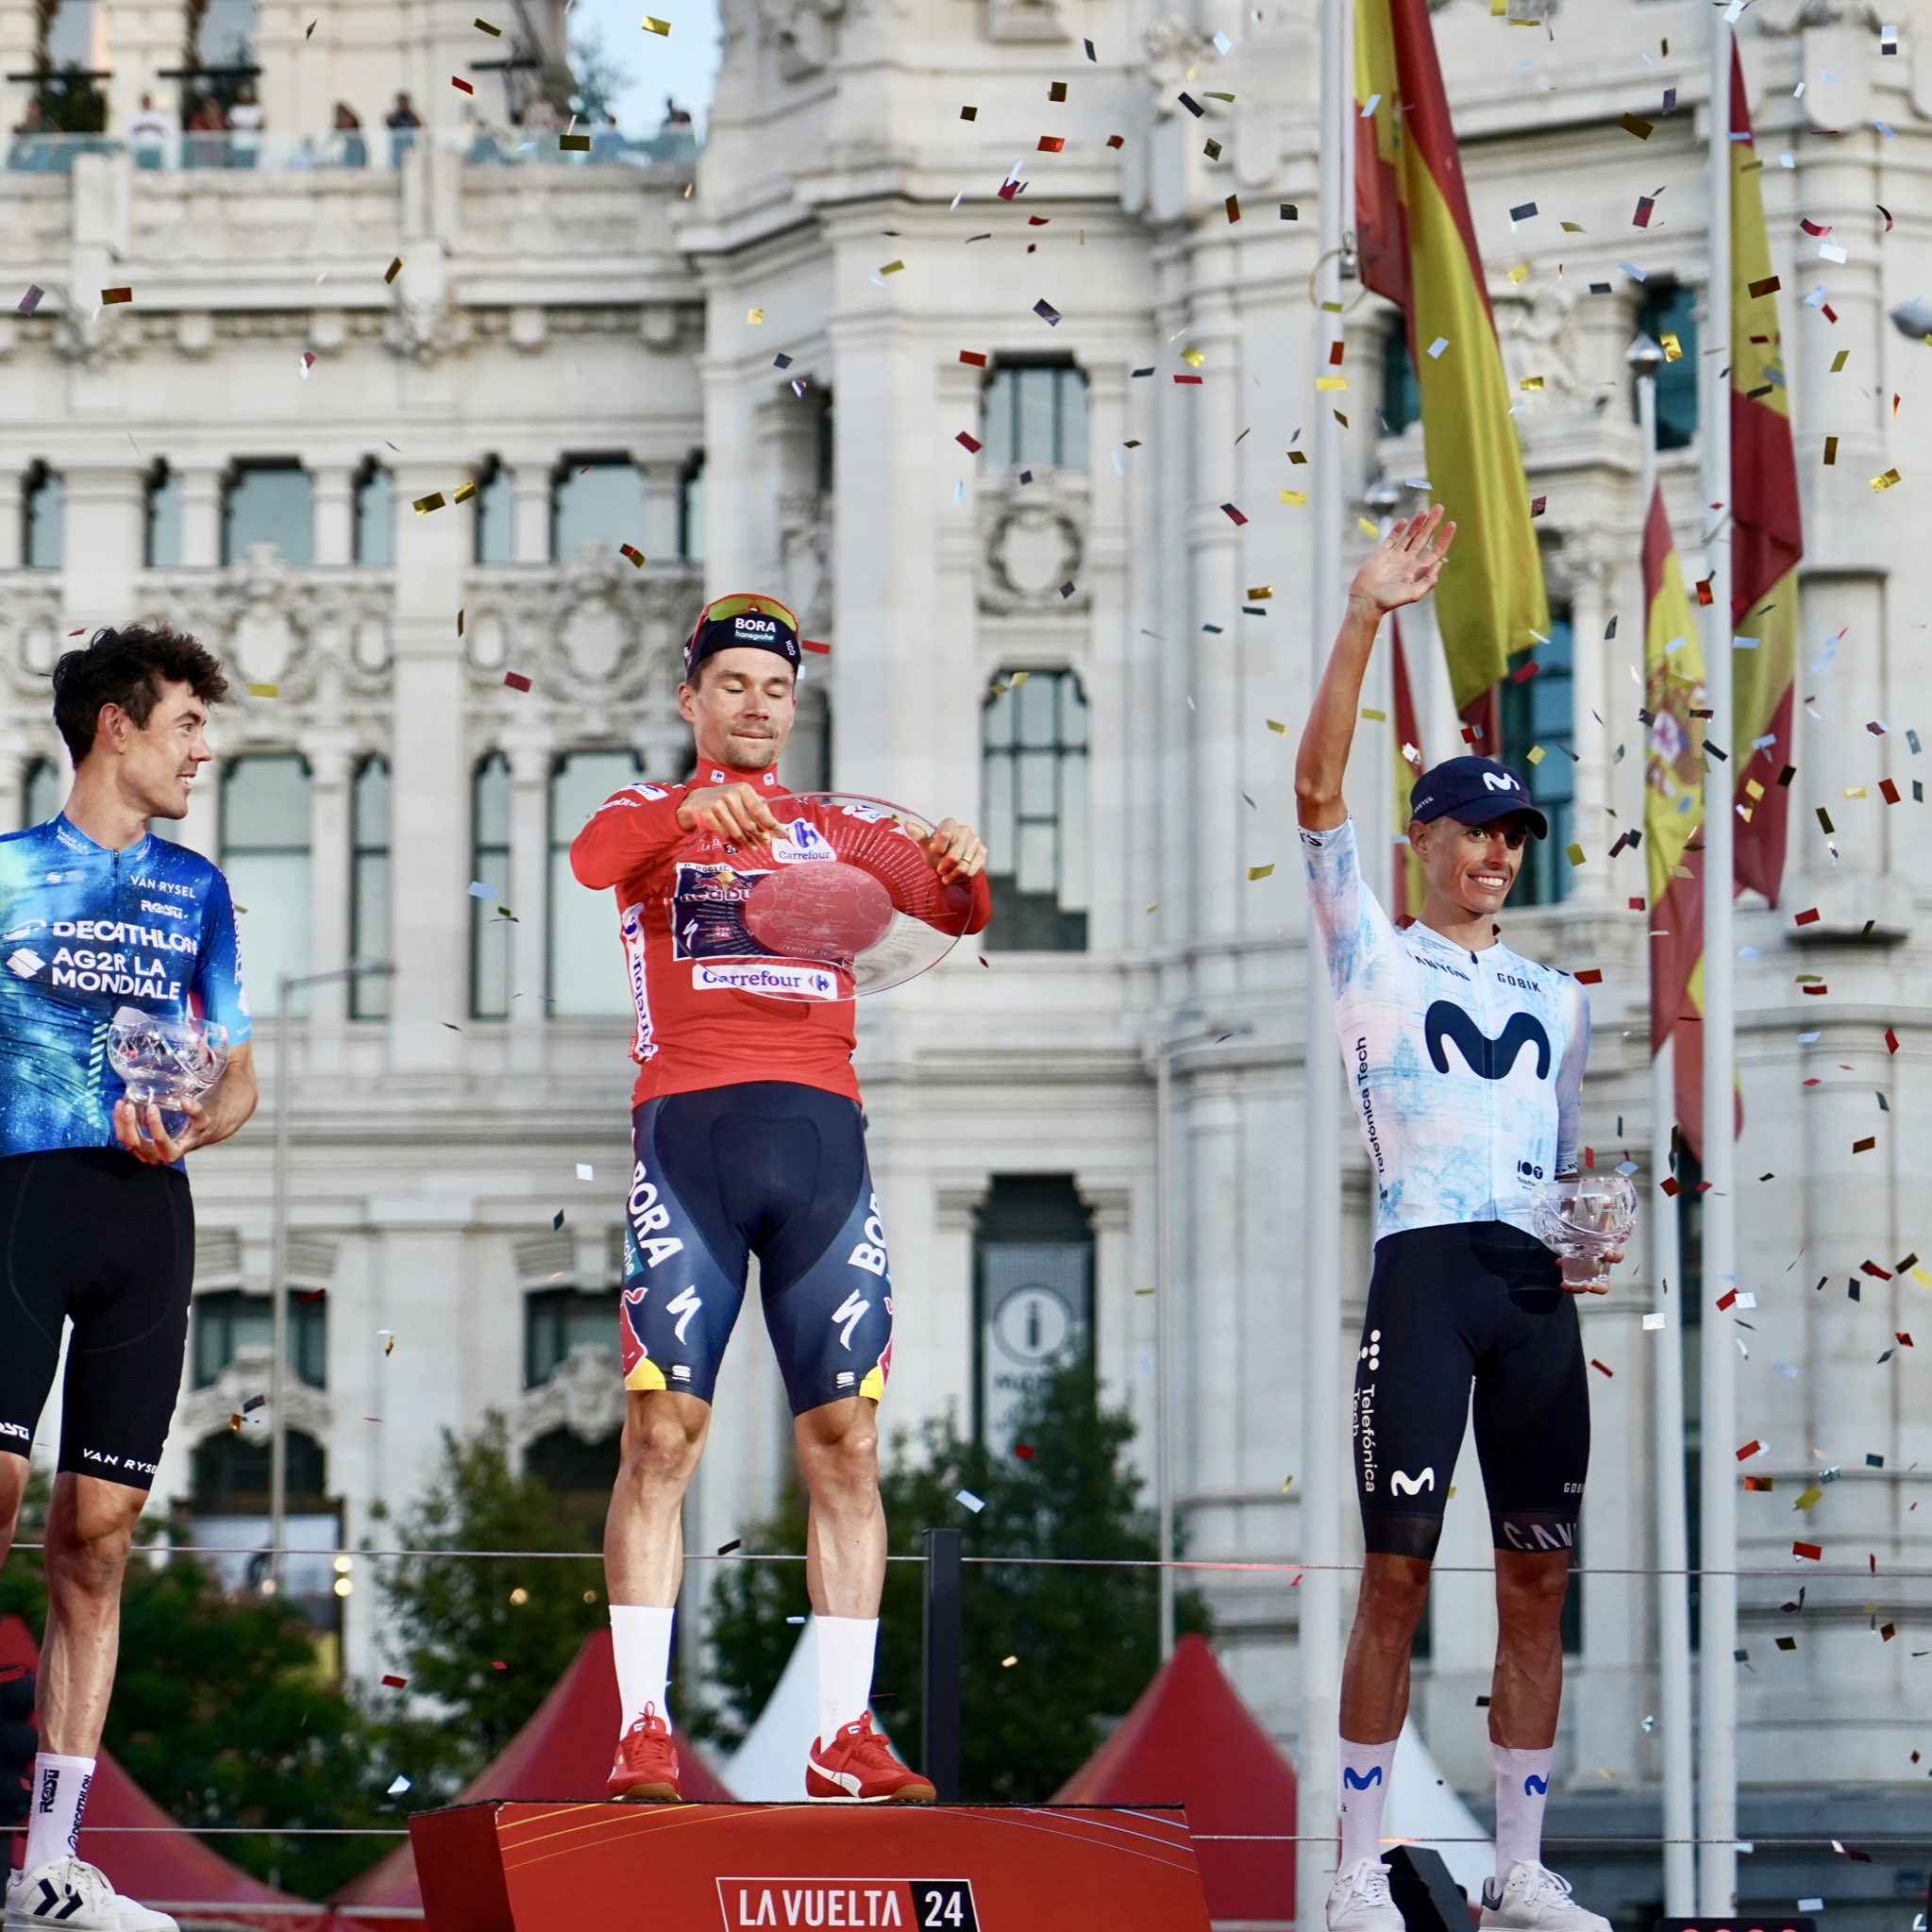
{"points": [[1465, 1066]]}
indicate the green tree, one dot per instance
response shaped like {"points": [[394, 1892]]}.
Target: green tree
{"points": [[487, 1637], [600, 79], [221, 1716], [1083, 1641]]}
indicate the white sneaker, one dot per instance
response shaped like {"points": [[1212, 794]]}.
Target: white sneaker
{"points": [[1361, 1901], [72, 1894], [1534, 1899]]}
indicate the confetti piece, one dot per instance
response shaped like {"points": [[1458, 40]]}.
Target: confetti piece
{"points": [[1255, 872], [652, 25], [633, 553], [394, 1683], [1887, 480], [264, 691], [398, 1785], [1437, 347], [1765, 285], [495, 33], [1812, 1553], [1233, 514], [726, 1549], [970, 444], [424, 505], [1753, 1446], [891, 267], [1275, 725], [516, 680], [1865, 1146], [1886, 212], [1046, 313], [1290, 213], [574, 143], [1595, 1364], [966, 1500], [388, 1341], [460, 85], [1652, 1322], [111, 296], [1810, 1496], [31, 300], [393, 270], [1524, 212], [1589, 976], [1295, 498], [1050, 144], [1375, 717], [1831, 450], [1637, 124]]}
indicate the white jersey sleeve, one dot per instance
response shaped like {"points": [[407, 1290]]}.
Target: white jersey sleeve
{"points": [[1357, 939]]}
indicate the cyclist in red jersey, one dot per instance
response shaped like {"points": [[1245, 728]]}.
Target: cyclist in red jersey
{"points": [[749, 1139]]}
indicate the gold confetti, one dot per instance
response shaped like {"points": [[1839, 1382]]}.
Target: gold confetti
{"points": [[264, 690], [111, 296], [1255, 872], [464, 492], [1531, 383], [1814, 1494], [484, 27], [892, 268], [1297, 498], [652, 25], [424, 505], [1261, 593], [1275, 725], [1673, 349], [1331, 382], [393, 270], [519, 1595], [1374, 717], [1367, 527], [1520, 272], [754, 315], [1887, 480], [1574, 854], [1194, 358], [1535, 754]]}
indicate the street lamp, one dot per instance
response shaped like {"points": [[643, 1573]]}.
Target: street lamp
{"points": [[287, 985], [1382, 499]]}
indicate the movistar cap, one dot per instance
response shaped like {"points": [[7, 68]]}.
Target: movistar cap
{"points": [[758, 623], [1476, 790]]}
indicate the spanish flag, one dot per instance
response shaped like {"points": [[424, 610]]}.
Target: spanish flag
{"points": [[1767, 539], [1418, 249], [1673, 812], [1407, 887]]}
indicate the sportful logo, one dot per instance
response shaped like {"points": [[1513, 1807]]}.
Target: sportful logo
{"points": [[1357, 1781], [1534, 1785], [1488, 1059], [1402, 1484]]}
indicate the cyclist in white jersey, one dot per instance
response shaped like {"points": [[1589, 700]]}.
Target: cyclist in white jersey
{"points": [[1465, 1062]]}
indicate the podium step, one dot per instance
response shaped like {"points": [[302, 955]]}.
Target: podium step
{"points": [[531, 1867]]}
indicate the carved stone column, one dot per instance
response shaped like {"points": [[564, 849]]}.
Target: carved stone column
{"points": [[328, 1004], [334, 496], [201, 516], [532, 485]]}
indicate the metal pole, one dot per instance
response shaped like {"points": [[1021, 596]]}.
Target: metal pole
{"points": [[1163, 1333], [939, 1727], [1319, 1592], [279, 1289], [1717, 1620], [1667, 1393]]}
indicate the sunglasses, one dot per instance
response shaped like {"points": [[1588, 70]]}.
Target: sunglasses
{"points": [[743, 605]]}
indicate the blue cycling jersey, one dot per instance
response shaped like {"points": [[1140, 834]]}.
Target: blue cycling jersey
{"points": [[1466, 1066], [84, 931]]}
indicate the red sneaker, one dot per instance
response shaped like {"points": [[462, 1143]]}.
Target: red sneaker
{"points": [[647, 1765], [858, 1763]]}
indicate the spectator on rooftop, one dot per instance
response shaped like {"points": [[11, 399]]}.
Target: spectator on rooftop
{"points": [[402, 122], [246, 119], [347, 147]]}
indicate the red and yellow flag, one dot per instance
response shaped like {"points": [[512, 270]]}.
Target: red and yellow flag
{"points": [[1407, 887], [1767, 538], [1674, 811], [1418, 249]]}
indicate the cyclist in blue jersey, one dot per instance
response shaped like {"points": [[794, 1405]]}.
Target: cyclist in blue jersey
{"points": [[97, 1226], [1465, 1062]]}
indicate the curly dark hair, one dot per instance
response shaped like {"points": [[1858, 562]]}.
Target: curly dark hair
{"points": [[128, 667]]}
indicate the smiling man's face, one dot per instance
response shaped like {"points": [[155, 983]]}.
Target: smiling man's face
{"points": [[161, 759], [741, 706], [1474, 865]]}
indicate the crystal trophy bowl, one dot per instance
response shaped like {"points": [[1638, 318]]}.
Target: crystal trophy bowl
{"points": [[1583, 1216], [166, 1062]]}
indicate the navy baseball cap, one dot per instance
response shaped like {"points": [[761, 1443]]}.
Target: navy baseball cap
{"points": [[756, 622], [1476, 790]]}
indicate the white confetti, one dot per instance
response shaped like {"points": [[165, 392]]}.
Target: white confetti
{"points": [[969, 1500]]}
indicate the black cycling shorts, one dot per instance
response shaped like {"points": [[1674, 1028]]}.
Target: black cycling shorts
{"points": [[1481, 1303], [92, 1235], [771, 1168]]}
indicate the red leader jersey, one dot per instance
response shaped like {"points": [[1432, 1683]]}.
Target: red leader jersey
{"points": [[714, 1007]]}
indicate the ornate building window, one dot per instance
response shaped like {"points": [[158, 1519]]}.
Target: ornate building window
{"points": [[1402, 396], [43, 791], [1034, 412], [228, 1321], [595, 499], [369, 886], [1542, 710], [268, 502], [496, 515], [161, 544], [1671, 308], [1033, 1290], [265, 853], [586, 964], [42, 506], [555, 1321], [1033, 738], [489, 865], [232, 1475], [375, 519]]}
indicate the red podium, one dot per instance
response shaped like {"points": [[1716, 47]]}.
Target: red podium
{"points": [[523, 1867]]}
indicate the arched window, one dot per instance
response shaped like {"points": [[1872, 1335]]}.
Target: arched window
{"points": [[1034, 412], [161, 548], [497, 515], [374, 522], [1035, 752], [1401, 395], [555, 1321], [1033, 1289], [596, 499], [369, 886], [42, 509], [269, 502], [586, 962], [232, 1474], [490, 955], [228, 1321], [42, 793], [265, 854]]}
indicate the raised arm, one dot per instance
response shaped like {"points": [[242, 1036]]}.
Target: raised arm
{"points": [[1400, 569]]}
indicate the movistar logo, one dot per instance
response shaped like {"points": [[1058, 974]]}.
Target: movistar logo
{"points": [[1359, 1781], [1533, 1783], [1499, 781], [1403, 1483], [1490, 1059]]}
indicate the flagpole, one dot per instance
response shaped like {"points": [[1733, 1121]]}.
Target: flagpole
{"points": [[1319, 1592], [1718, 1600], [1667, 1362]]}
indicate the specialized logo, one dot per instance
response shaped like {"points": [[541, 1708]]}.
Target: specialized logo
{"points": [[1402, 1484], [852, 1311], [683, 1304], [945, 1904], [1371, 1351], [1360, 1781], [1533, 1783], [1488, 1059]]}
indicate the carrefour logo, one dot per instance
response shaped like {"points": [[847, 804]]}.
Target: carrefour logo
{"points": [[800, 840]]}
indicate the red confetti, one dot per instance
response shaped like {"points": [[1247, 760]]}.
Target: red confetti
{"points": [[1233, 514], [1886, 212], [1591, 976], [396, 1683], [516, 680], [1813, 1553], [1752, 1447], [1724, 1301], [824, 650], [974, 356], [462, 87], [1671, 1185], [1890, 1041], [968, 443], [1051, 143], [1179, 378], [1812, 228], [1024, 1450], [1595, 1364]]}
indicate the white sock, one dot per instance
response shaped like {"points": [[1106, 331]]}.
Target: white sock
{"points": [[1523, 1787], [846, 1645], [59, 1792], [1366, 1769], [641, 1641]]}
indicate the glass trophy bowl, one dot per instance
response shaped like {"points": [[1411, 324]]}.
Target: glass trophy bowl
{"points": [[166, 1062], [1582, 1218], [842, 894]]}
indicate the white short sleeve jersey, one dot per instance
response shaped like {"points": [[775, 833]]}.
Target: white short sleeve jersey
{"points": [[1465, 1066]]}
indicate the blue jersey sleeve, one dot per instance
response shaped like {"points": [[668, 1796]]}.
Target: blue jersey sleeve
{"points": [[219, 995], [1570, 1085], [1357, 939]]}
